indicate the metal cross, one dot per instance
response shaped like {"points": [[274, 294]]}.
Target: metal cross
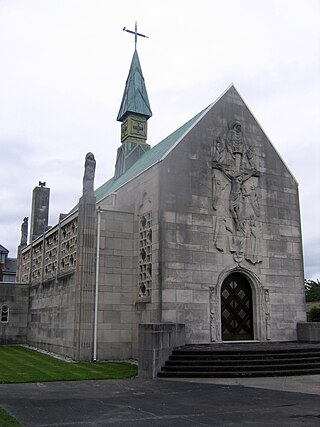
{"points": [[136, 34]]}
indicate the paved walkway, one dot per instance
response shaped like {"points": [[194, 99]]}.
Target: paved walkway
{"points": [[133, 403], [309, 384]]}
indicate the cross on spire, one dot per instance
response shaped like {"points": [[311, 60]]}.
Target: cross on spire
{"points": [[136, 34]]}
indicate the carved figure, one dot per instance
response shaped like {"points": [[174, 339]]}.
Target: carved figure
{"points": [[89, 172], [222, 233], [252, 239], [212, 314], [217, 188], [219, 153], [267, 313], [234, 157], [253, 197], [24, 232], [250, 156], [237, 180], [235, 138], [212, 325]]}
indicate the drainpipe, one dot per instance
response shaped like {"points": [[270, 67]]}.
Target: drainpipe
{"points": [[97, 288]]}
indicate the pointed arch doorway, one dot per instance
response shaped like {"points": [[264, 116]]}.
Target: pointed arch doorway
{"points": [[236, 309]]}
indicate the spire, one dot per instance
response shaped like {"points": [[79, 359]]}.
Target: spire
{"points": [[135, 98], [133, 114]]}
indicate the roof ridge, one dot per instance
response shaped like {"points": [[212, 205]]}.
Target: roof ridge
{"points": [[149, 159]]}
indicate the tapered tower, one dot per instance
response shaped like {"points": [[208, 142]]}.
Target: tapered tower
{"points": [[133, 114]]}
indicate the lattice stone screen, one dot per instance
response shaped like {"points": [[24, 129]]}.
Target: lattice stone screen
{"points": [[69, 247], [145, 255], [37, 259], [53, 255], [26, 266]]}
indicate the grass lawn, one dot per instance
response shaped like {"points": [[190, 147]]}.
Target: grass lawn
{"points": [[7, 420], [22, 365]]}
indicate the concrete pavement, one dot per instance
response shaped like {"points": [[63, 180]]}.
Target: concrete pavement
{"points": [[164, 403], [309, 384]]}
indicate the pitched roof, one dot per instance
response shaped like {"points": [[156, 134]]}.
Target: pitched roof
{"points": [[135, 97], [150, 158], [147, 160], [3, 250]]}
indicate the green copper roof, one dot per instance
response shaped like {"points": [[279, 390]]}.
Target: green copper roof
{"points": [[135, 97], [151, 157]]}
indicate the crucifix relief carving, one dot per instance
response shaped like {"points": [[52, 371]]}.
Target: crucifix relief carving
{"points": [[237, 208]]}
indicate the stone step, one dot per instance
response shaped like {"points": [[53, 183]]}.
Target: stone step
{"points": [[242, 361], [261, 367], [237, 374], [186, 351], [218, 362], [253, 356]]}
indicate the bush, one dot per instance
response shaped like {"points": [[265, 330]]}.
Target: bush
{"points": [[312, 288], [314, 314]]}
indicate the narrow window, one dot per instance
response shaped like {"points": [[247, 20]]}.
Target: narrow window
{"points": [[4, 314]]}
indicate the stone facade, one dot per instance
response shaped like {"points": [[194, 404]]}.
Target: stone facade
{"points": [[203, 231], [203, 241], [14, 313]]}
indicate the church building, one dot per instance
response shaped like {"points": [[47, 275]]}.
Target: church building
{"points": [[201, 230]]}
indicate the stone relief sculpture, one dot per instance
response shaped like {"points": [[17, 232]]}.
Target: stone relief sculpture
{"points": [[253, 199], [252, 239], [24, 232], [237, 228], [267, 313], [89, 172], [217, 189], [213, 323], [219, 150]]}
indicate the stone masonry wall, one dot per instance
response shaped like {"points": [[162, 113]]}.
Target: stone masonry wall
{"points": [[117, 286], [15, 297], [51, 315], [229, 204], [140, 199]]}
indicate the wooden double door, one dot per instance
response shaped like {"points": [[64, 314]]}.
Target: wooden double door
{"points": [[236, 309]]}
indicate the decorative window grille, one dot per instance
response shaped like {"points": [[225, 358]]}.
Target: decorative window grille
{"points": [[51, 255], [145, 255], [69, 235], [26, 266], [37, 260], [4, 314]]}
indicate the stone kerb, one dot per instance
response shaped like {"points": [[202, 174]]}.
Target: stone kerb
{"points": [[156, 342], [308, 331]]}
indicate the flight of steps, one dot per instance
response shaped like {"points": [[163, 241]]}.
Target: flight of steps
{"points": [[242, 360]]}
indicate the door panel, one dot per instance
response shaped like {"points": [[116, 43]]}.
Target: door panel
{"points": [[236, 309]]}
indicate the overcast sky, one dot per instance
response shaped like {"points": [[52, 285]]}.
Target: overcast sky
{"points": [[63, 69]]}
